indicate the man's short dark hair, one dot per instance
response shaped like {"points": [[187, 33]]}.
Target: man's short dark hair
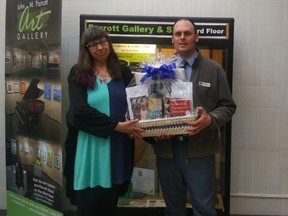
{"points": [[189, 20]]}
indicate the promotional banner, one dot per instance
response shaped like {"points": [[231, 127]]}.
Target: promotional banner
{"points": [[33, 108]]}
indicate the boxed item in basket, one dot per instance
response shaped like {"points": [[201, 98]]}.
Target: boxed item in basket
{"points": [[162, 100]]}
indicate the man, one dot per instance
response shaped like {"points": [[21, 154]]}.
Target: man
{"points": [[187, 163]]}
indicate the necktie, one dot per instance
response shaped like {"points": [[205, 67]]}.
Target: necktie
{"points": [[188, 69], [183, 64]]}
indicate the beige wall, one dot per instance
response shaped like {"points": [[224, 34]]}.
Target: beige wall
{"points": [[2, 106], [259, 135]]}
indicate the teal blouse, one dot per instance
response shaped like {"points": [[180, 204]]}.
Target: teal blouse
{"points": [[95, 168]]}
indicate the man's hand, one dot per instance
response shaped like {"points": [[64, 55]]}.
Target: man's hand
{"points": [[204, 120]]}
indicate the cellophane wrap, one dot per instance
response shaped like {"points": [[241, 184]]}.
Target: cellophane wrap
{"points": [[161, 99]]}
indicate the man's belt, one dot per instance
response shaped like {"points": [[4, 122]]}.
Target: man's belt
{"points": [[181, 138]]}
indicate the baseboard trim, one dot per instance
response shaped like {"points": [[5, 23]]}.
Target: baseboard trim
{"points": [[258, 206], [3, 203]]}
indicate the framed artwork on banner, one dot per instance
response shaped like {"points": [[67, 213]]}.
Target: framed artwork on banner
{"points": [[9, 88], [43, 156], [16, 87], [57, 94], [49, 159], [47, 91], [7, 59], [22, 87], [57, 161]]}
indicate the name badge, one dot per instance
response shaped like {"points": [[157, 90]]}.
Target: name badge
{"points": [[204, 84]]}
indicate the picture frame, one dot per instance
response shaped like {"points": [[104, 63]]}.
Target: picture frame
{"points": [[57, 161], [57, 94], [47, 91], [27, 151], [22, 87], [16, 87], [43, 156], [49, 159], [9, 88], [7, 59], [39, 153]]}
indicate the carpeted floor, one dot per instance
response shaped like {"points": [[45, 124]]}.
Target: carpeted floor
{"points": [[3, 213]]}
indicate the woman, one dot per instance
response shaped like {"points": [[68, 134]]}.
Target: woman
{"points": [[99, 148]]}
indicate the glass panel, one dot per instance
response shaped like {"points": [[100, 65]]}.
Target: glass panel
{"points": [[146, 190]]}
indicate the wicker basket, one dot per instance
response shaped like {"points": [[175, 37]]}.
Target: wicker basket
{"points": [[167, 126]]}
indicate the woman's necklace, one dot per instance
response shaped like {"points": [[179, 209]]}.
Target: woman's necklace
{"points": [[103, 76]]}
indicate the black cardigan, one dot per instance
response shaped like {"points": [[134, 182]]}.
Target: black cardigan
{"points": [[81, 116]]}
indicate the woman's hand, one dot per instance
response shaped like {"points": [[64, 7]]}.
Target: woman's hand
{"points": [[131, 128]]}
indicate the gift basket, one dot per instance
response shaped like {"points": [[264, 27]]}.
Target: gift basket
{"points": [[161, 99]]}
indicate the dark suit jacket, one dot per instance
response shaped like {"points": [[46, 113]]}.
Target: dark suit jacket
{"points": [[212, 92]]}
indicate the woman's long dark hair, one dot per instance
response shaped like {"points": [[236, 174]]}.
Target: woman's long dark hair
{"points": [[85, 75]]}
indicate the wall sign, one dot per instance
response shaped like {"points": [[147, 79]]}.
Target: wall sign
{"points": [[156, 29]]}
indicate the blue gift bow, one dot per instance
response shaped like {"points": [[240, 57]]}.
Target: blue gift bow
{"points": [[163, 72]]}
